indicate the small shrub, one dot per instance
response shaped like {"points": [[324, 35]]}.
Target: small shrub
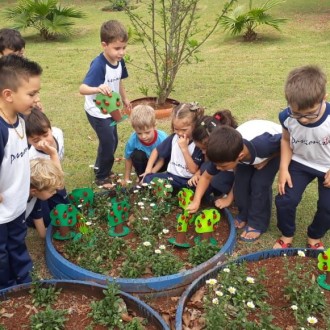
{"points": [[202, 252], [43, 296], [48, 320], [118, 5]]}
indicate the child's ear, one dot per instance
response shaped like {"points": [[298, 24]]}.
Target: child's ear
{"points": [[33, 191], [241, 156], [7, 94], [103, 44]]}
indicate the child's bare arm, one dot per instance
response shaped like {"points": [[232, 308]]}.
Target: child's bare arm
{"points": [[183, 144], [122, 92], [40, 226], [88, 90], [128, 168], [284, 177], [51, 151]]}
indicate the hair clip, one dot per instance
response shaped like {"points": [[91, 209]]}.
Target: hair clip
{"points": [[202, 123], [194, 106], [213, 123], [217, 117]]}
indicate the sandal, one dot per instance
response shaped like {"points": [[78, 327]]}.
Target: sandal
{"points": [[283, 244], [316, 246], [240, 223], [250, 230]]}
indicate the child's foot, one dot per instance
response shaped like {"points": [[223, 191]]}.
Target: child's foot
{"points": [[283, 243], [239, 224], [315, 244], [250, 234]]}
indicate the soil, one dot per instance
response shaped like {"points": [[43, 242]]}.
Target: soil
{"points": [[274, 284], [15, 312]]}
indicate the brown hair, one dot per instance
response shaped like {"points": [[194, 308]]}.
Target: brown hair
{"points": [[190, 111], [207, 124], [112, 31], [143, 117], [11, 39], [225, 144], [305, 86], [36, 123], [14, 69], [45, 175]]}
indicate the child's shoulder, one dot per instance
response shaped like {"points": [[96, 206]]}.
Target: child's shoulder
{"points": [[161, 134]]}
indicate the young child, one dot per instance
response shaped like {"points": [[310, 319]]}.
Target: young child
{"points": [[305, 154], [105, 75], [19, 92], [141, 143], [45, 142], [46, 179], [222, 182], [11, 42], [252, 150], [185, 157]]}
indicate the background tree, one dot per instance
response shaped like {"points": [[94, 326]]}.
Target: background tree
{"points": [[47, 16], [239, 20]]}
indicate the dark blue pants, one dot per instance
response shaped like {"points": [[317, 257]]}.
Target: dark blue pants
{"points": [[253, 193], [286, 204], [108, 141], [15, 261]]}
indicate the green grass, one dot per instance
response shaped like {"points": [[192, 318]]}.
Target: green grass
{"points": [[247, 78]]}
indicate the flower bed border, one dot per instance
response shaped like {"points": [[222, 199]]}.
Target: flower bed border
{"points": [[132, 302], [170, 285], [199, 282]]}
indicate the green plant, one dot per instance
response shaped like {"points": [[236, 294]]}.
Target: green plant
{"points": [[43, 296], [239, 20], [47, 16], [108, 311], [232, 296], [169, 38], [303, 293], [202, 252], [48, 319], [118, 5], [165, 263]]}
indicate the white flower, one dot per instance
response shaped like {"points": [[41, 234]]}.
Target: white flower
{"points": [[144, 184], [119, 180], [133, 173], [120, 174], [219, 293], [294, 307], [160, 180], [165, 231], [226, 270], [168, 186], [142, 207], [311, 320], [80, 205], [140, 203], [301, 253], [232, 290], [162, 247], [158, 251], [284, 255], [145, 218], [129, 181], [215, 301], [250, 280], [88, 223], [152, 204], [91, 166], [146, 243], [100, 187], [138, 187], [212, 281], [135, 191], [250, 304]]}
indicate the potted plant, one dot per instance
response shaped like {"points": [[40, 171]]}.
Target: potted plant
{"points": [[169, 37]]}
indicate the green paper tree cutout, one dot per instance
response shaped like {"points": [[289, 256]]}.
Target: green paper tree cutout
{"points": [[64, 218], [82, 198], [205, 224], [110, 104], [185, 196], [117, 215], [324, 265]]}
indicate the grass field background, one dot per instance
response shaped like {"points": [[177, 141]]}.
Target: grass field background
{"points": [[247, 78]]}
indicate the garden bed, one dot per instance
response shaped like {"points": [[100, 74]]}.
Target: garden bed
{"points": [[143, 261], [289, 284], [73, 301]]}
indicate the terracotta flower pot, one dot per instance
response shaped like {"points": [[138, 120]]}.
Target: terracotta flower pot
{"points": [[161, 110]]}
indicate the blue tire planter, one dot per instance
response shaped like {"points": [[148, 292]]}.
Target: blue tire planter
{"points": [[169, 285], [199, 282], [133, 303]]}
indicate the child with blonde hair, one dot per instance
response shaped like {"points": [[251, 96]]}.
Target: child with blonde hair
{"points": [[185, 157], [46, 178], [143, 141]]}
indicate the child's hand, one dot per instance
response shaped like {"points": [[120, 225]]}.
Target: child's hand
{"points": [[326, 182], [194, 180], [104, 89], [193, 207], [221, 203], [284, 178], [127, 104], [183, 142], [46, 148]]}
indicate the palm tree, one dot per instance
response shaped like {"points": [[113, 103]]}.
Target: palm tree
{"points": [[47, 16], [239, 21]]}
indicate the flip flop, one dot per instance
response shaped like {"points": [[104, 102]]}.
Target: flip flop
{"points": [[240, 222], [251, 230]]}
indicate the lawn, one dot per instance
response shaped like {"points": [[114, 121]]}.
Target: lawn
{"points": [[247, 78]]}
